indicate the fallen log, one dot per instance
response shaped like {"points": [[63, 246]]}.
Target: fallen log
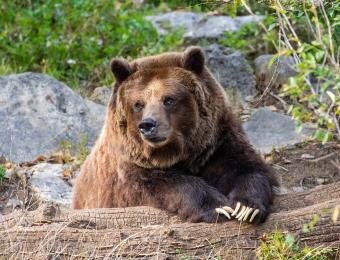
{"points": [[144, 232]]}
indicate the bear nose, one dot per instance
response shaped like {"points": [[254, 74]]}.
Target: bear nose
{"points": [[147, 126]]}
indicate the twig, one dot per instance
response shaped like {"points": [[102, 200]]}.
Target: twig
{"points": [[284, 103], [280, 167], [337, 165], [323, 157]]}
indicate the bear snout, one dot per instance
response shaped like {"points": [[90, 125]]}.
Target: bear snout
{"points": [[153, 131], [148, 127]]}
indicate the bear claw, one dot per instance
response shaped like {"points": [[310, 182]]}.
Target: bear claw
{"points": [[223, 211], [247, 213], [240, 213], [254, 215], [228, 209], [236, 209]]}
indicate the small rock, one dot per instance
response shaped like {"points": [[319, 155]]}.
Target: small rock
{"points": [[277, 74], [46, 181], [322, 180], [282, 190], [10, 173], [267, 130], [273, 108], [21, 173], [298, 189], [14, 203], [232, 70], [101, 95], [8, 165], [307, 156]]}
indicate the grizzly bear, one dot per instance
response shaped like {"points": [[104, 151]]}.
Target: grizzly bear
{"points": [[171, 141]]}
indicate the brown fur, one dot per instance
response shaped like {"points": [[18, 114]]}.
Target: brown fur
{"points": [[205, 160]]}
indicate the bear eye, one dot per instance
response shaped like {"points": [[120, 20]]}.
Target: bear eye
{"points": [[169, 101], [138, 106]]}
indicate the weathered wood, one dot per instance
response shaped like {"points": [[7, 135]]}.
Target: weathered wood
{"points": [[146, 232]]}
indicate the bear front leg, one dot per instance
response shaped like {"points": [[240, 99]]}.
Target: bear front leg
{"points": [[251, 197], [244, 178], [187, 196]]}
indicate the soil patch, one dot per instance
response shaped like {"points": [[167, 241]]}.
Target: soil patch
{"points": [[307, 165]]}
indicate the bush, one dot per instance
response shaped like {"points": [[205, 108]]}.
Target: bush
{"points": [[74, 40], [315, 91], [286, 246], [309, 31]]}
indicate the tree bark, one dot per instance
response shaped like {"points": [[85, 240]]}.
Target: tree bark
{"points": [[143, 232]]}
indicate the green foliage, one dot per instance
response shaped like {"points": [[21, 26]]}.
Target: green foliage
{"points": [[75, 40], [278, 245], [252, 39], [193, 5], [80, 150], [309, 31], [307, 227], [65, 148], [315, 91], [2, 174]]}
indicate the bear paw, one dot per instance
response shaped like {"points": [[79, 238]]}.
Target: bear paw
{"points": [[242, 214]]}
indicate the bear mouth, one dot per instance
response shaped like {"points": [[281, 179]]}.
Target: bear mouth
{"points": [[156, 139]]}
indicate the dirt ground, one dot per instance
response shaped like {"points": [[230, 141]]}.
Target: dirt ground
{"points": [[306, 165]]}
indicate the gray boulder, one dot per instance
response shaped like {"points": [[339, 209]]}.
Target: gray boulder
{"points": [[47, 183], [37, 112], [277, 74], [213, 27], [166, 22], [232, 70], [198, 26], [267, 130]]}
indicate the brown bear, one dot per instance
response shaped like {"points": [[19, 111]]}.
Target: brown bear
{"points": [[170, 141]]}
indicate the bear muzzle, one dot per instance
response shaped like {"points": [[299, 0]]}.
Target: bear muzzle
{"points": [[152, 131]]}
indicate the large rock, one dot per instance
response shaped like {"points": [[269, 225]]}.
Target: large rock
{"points": [[47, 183], [37, 112], [232, 70], [166, 22], [198, 26], [274, 75], [267, 130]]}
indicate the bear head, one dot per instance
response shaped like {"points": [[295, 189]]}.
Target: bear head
{"points": [[167, 109]]}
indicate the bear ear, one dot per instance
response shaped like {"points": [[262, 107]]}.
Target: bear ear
{"points": [[120, 69], [193, 59]]}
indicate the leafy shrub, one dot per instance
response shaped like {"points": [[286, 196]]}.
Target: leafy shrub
{"points": [[315, 91], [74, 40], [253, 39], [285, 246], [309, 31]]}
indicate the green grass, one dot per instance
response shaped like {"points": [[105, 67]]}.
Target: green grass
{"points": [[79, 150], [74, 40], [2, 174], [286, 246]]}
